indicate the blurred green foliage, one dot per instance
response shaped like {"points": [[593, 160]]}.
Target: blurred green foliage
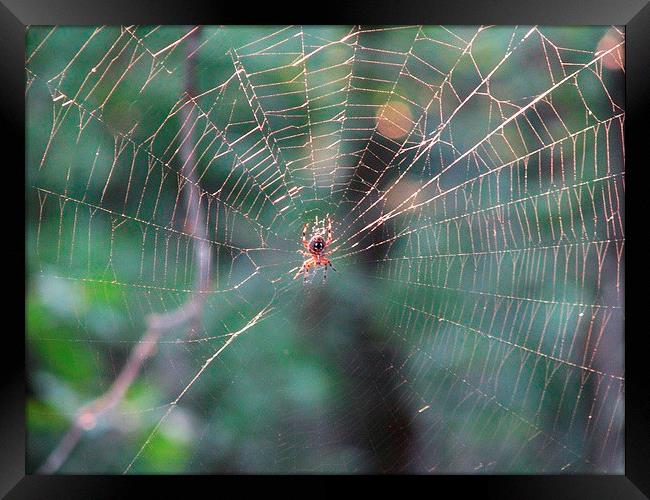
{"points": [[486, 381]]}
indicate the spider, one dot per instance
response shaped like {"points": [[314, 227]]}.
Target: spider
{"points": [[316, 247]]}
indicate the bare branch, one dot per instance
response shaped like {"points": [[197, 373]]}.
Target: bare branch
{"points": [[189, 314]]}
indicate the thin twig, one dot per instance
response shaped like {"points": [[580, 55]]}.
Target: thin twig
{"points": [[157, 324]]}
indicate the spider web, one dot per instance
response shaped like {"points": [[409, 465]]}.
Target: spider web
{"points": [[475, 178]]}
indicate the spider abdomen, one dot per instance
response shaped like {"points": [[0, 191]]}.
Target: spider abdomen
{"points": [[317, 245]]}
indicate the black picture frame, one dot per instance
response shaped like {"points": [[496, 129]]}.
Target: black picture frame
{"points": [[15, 15]]}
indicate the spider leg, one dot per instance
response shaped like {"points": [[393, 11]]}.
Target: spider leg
{"points": [[326, 262], [305, 241], [329, 231], [304, 269]]}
